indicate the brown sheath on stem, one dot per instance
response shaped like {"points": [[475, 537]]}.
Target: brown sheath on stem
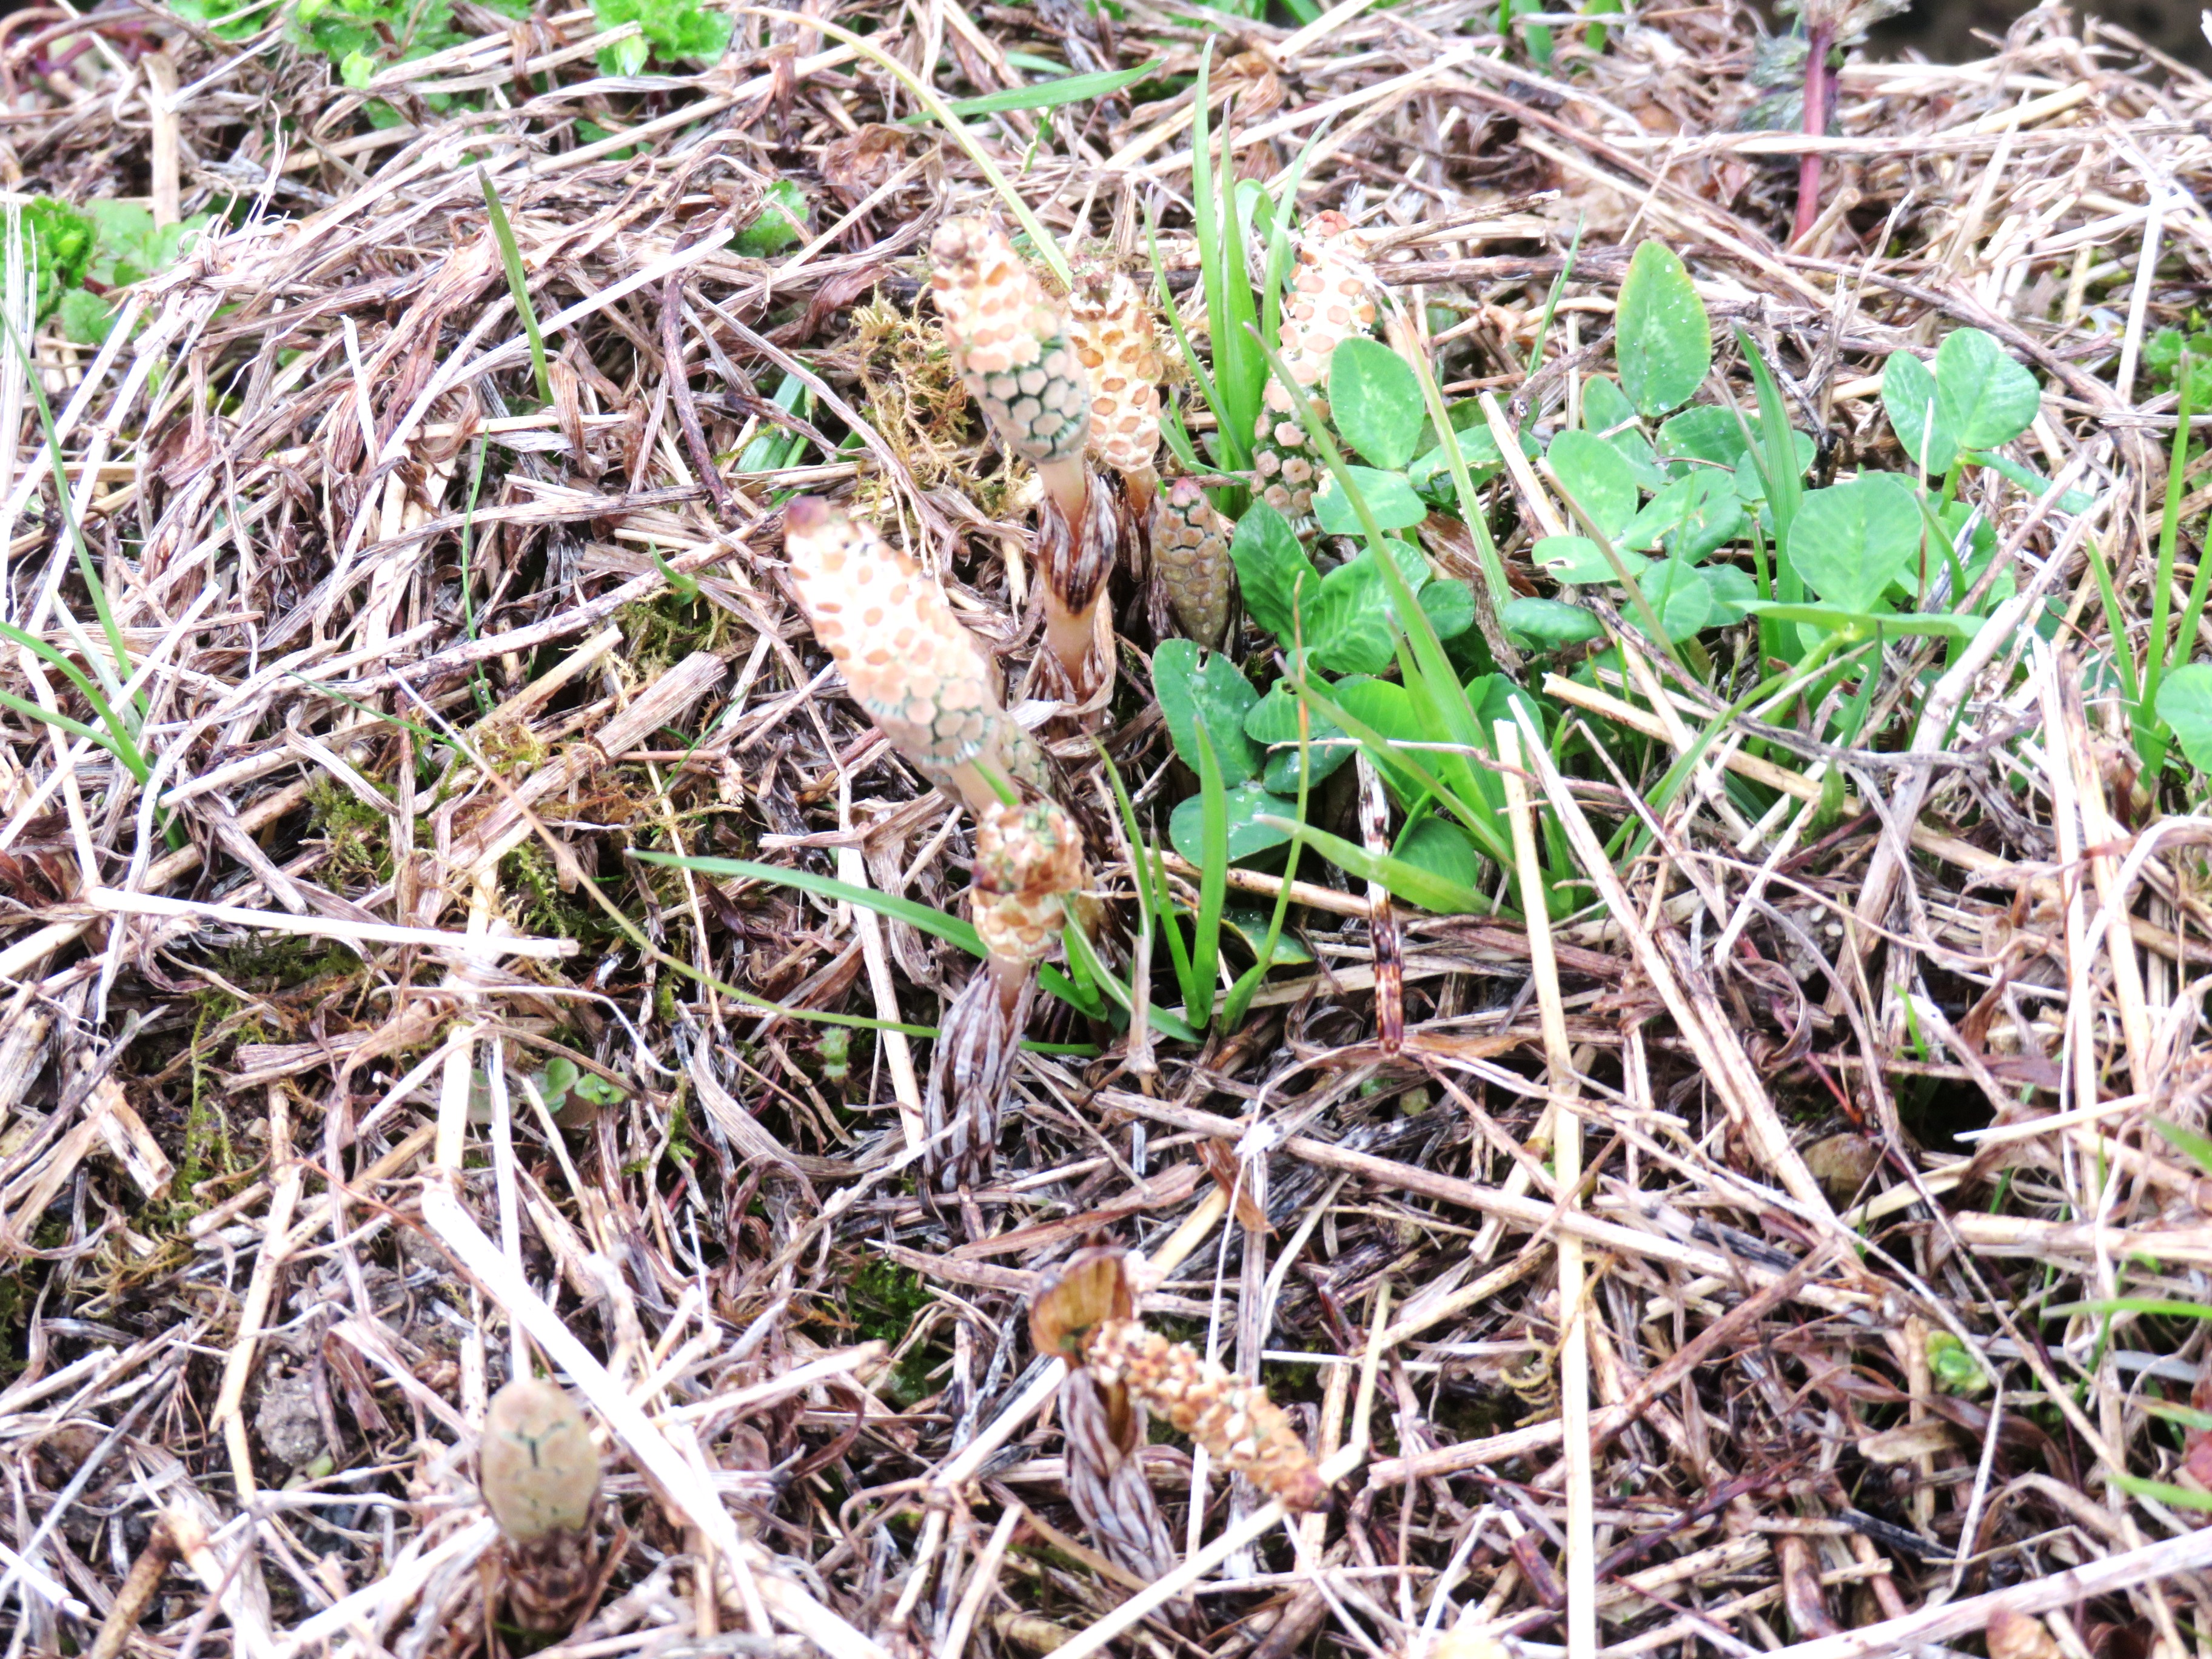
{"points": [[1028, 861], [1075, 557]]}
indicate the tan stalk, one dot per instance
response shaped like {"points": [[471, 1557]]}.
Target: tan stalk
{"points": [[1190, 550], [1330, 302], [539, 1476], [1028, 861], [1012, 348], [1084, 1315], [924, 679]]}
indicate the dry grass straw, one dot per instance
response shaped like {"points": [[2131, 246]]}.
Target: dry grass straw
{"points": [[1642, 1296]]}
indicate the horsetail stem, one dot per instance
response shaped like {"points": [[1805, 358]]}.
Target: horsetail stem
{"points": [[1085, 1314], [1014, 353], [1029, 862]]}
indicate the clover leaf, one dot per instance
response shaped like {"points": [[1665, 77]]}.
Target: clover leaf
{"points": [[1664, 340], [1375, 402]]}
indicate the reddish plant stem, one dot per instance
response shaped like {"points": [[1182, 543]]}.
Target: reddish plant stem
{"points": [[1816, 125]]}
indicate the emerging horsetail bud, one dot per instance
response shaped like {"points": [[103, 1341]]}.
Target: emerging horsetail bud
{"points": [[1029, 863], [922, 678], [1190, 549], [1028, 860], [1112, 328], [540, 1478], [1084, 1315], [1328, 304], [1013, 351]]}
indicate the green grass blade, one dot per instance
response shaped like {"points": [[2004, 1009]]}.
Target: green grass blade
{"points": [[518, 284], [1236, 452], [1470, 509], [63, 500], [2179, 1498], [1047, 94], [1212, 879], [61, 722], [1239, 999], [2156, 649], [1406, 881], [2188, 1142], [2157, 1307], [935, 923], [117, 740], [1154, 911]]}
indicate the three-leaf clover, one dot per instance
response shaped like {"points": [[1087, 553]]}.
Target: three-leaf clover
{"points": [[1975, 397]]}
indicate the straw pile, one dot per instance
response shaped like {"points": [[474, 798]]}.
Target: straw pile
{"points": [[352, 1067]]}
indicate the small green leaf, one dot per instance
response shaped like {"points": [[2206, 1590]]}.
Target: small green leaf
{"points": [[1188, 688], [1663, 341], [1548, 624], [1250, 924], [86, 317], [1375, 402], [1851, 541], [1988, 396], [1606, 407], [559, 1074], [1678, 591], [1607, 414], [1399, 878], [1273, 725], [1598, 477], [1707, 433], [1733, 590], [1450, 607], [673, 28], [1712, 519], [1916, 413], [2184, 704], [1577, 561], [1388, 495], [1248, 805], [1440, 847], [780, 224], [1977, 396], [592, 1087], [1353, 628], [1270, 565]]}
